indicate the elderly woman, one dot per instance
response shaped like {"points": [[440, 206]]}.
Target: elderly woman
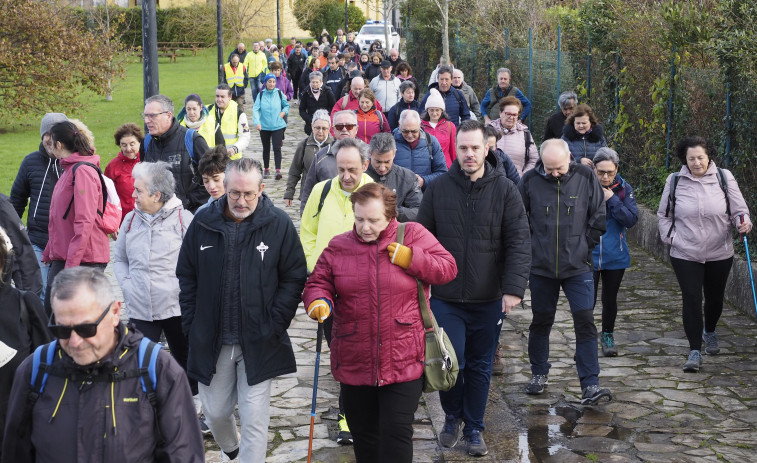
{"points": [[567, 102], [699, 205], [314, 97], [583, 134], [611, 256], [305, 153], [516, 140], [128, 138], [75, 227], [145, 256], [435, 121], [268, 113], [381, 377], [370, 120], [194, 115], [408, 100]]}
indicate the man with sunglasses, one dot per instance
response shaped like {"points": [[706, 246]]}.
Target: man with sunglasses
{"points": [[323, 166], [241, 273], [91, 405]]}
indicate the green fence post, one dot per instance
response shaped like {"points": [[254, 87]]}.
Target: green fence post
{"points": [[588, 70], [530, 74], [559, 61], [727, 124], [507, 44], [670, 106]]}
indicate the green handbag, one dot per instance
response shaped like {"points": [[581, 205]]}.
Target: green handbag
{"points": [[440, 368]]}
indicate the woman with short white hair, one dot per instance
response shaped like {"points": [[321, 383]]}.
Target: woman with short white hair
{"points": [[305, 152]]}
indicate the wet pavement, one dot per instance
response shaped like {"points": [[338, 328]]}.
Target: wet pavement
{"points": [[659, 413]]}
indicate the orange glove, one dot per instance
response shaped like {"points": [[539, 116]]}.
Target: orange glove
{"points": [[400, 255], [319, 310]]}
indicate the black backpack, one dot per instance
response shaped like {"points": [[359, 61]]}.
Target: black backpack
{"points": [[671, 207]]}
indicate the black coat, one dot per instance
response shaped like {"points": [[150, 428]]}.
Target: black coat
{"points": [[35, 182], [23, 267], [484, 226], [309, 105], [554, 126], [404, 184], [273, 271], [567, 218]]}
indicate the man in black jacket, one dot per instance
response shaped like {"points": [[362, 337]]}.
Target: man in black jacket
{"points": [[400, 180], [478, 216], [241, 273], [565, 206], [24, 270], [168, 143], [567, 103]]}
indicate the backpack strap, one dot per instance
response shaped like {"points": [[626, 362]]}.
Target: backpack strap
{"points": [[381, 120], [146, 141], [189, 143], [724, 186], [73, 182], [428, 144], [401, 232], [529, 142], [324, 194], [130, 222], [42, 359], [671, 207]]}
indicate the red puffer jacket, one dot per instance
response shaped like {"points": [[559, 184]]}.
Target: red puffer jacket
{"points": [[119, 170], [444, 132], [377, 338]]}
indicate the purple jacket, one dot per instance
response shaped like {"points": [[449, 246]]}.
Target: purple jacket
{"points": [[283, 84], [702, 231]]}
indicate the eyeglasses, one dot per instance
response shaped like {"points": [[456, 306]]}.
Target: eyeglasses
{"points": [[84, 330], [511, 114], [605, 173], [341, 127], [146, 116], [235, 195], [410, 131], [320, 128]]}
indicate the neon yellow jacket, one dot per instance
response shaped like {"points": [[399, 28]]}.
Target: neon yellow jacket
{"points": [[255, 63], [335, 218]]}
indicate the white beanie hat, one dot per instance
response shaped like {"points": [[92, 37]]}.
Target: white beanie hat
{"points": [[435, 100]]}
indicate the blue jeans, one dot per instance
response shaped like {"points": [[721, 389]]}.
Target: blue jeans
{"points": [[580, 293], [44, 268], [473, 330]]}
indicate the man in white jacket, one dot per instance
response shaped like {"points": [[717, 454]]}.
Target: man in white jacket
{"points": [[386, 87]]}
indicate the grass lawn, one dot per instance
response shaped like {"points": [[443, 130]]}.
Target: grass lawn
{"points": [[190, 74]]}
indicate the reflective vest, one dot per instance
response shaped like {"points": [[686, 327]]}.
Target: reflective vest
{"points": [[206, 130], [229, 122], [234, 76]]}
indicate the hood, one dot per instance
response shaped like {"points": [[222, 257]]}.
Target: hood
{"points": [[311, 141], [491, 171], [539, 168], [182, 118], [213, 216], [114, 359], [169, 206], [76, 157]]}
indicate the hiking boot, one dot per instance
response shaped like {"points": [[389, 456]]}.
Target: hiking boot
{"points": [[694, 362], [450, 433], [344, 437], [536, 385], [607, 340], [592, 394], [267, 173], [498, 366], [278, 174], [710, 343], [231, 456], [204, 429], [476, 444]]}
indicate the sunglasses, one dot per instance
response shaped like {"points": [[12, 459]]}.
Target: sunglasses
{"points": [[341, 127], [85, 330]]}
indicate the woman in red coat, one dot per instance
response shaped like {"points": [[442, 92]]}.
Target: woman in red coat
{"points": [[370, 120], [128, 138], [377, 343], [435, 121]]}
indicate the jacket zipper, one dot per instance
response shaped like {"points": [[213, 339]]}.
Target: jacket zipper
{"points": [[378, 321], [601, 242], [557, 233], [465, 250]]}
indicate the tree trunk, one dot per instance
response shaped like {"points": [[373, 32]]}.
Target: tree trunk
{"points": [[445, 30]]}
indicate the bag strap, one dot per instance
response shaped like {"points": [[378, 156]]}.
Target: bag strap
{"points": [[73, 182], [724, 186], [422, 302]]}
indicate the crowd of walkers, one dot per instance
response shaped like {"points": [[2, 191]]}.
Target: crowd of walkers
{"points": [[401, 187]]}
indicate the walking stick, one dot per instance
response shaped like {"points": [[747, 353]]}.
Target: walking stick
{"points": [[319, 340], [749, 263]]}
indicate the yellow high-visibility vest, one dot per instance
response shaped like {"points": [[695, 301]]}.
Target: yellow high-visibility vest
{"points": [[229, 122], [234, 76]]}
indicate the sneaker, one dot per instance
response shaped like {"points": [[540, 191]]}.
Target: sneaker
{"points": [[476, 444], [344, 437], [204, 429], [710, 343], [536, 385], [608, 344], [267, 173], [278, 174], [498, 366], [694, 362], [592, 394], [450, 433], [231, 456]]}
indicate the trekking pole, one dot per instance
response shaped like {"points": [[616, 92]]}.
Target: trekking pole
{"points": [[319, 340], [749, 263]]}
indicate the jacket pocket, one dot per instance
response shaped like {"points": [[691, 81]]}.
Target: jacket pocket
{"points": [[405, 342], [347, 346]]}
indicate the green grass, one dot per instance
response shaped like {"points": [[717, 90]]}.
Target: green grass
{"points": [[190, 74]]}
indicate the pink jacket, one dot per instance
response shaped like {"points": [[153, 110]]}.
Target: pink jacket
{"points": [[513, 144], [702, 230], [378, 336], [445, 134], [78, 238]]}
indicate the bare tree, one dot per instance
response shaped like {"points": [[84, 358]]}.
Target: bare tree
{"points": [[110, 26], [443, 6], [243, 17], [388, 8]]}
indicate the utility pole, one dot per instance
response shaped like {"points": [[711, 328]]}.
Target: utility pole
{"points": [[346, 16], [219, 40], [150, 82], [278, 26]]}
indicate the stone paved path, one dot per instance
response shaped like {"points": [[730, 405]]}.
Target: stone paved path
{"points": [[659, 413]]}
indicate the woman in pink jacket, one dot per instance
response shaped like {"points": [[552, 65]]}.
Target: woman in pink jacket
{"points": [[435, 121], [370, 120], [517, 141], [377, 347], [699, 205], [75, 227]]}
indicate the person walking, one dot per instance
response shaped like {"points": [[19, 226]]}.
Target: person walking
{"points": [[305, 153], [698, 207], [400, 180], [434, 122], [268, 115], [370, 282], [128, 137], [314, 97], [516, 141], [611, 256], [235, 76], [583, 134]]}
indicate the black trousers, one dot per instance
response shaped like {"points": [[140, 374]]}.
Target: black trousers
{"points": [[381, 420], [177, 342], [277, 136], [610, 285], [56, 267], [694, 279]]}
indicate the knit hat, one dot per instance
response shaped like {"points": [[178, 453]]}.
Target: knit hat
{"points": [[49, 120], [435, 100], [193, 97], [270, 75]]}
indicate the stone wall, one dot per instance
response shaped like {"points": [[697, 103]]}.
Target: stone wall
{"points": [[738, 292]]}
